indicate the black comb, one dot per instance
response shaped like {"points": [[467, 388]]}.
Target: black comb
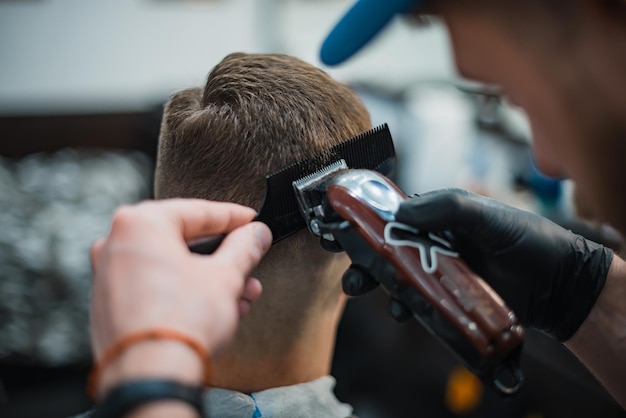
{"points": [[371, 150]]}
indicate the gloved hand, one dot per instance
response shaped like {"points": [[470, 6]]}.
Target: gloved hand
{"points": [[548, 275]]}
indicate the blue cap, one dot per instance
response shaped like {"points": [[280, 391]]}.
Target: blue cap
{"points": [[359, 25]]}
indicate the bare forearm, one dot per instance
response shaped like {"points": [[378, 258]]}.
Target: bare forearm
{"points": [[156, 359], [600, 342]]}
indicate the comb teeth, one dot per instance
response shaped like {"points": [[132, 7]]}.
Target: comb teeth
{"points": [[282, 181], [371, 150], [368, 150]]}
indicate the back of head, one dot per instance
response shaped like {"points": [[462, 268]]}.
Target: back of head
{"points": [[257, 114]]}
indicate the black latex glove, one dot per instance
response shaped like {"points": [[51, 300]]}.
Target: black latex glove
{"points": [[548, 275]]}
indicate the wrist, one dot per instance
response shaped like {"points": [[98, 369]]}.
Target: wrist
{"points": [[607, 314], [166, 359], [600, 342], [151, 397], [579, 286], [164, 409]]}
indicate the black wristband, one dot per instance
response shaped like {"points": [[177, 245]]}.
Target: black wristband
{"points": [[129, 395]]}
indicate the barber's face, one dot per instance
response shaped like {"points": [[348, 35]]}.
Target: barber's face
{"points": [[564, 77], [485, 51]]}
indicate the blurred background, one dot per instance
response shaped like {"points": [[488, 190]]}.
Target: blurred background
{"points": [[82, 84]]}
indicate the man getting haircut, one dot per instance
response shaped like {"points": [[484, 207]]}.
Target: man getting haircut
{"points": [[257, 114]]}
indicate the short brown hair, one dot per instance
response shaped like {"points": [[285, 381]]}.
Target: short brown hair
{"points": [[256, 114]]}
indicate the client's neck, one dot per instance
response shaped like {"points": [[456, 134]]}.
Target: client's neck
{"points": [[285, 349]]}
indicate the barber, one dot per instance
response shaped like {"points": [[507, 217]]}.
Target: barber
{"points": [[564, 63], [159, 313], [564, 67]]}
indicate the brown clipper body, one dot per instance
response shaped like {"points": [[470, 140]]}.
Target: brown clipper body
{"points": [[462, 297]]}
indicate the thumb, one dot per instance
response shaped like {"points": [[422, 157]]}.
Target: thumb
{"points": [[244, 247]]}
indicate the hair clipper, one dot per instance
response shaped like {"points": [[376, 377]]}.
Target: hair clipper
{"points": [[342, 197], [354, 210]]}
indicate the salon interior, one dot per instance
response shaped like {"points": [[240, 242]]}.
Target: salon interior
{"points": [[82, 87]]}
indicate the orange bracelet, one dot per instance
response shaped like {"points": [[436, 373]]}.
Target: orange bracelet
{"points": [[154, 334]]}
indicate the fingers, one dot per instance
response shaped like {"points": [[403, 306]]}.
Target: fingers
{"points": [[244, 307], [356, 282], [450, 209], [199, 218], [96, 251], [189, 218], [252, 290], [243, 248]]}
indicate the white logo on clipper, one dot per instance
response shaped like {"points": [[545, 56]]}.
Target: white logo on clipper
{"points": [[434, 249]]}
